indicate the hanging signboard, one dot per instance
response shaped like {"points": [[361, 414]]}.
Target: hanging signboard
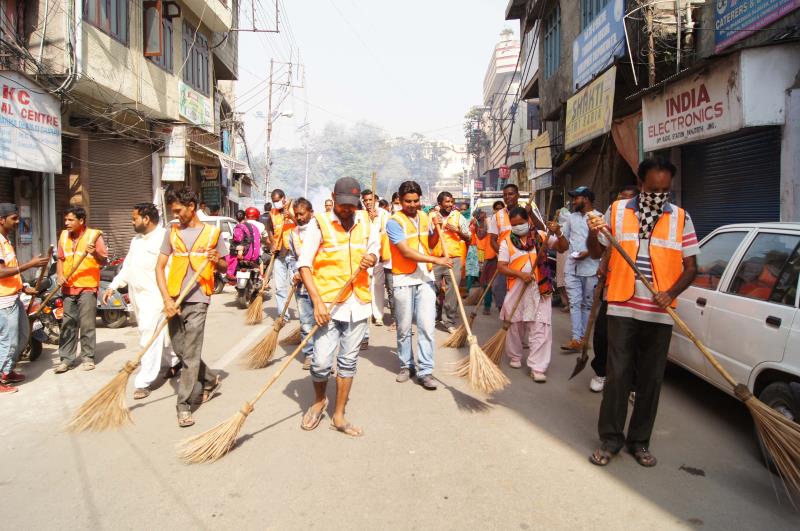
{"points": [[537, 156], [30, 126], [589, 112], [210, 192], [210, 174], [599, 43], [195, 107], [694, 108], [173, 162], [735, 20]]}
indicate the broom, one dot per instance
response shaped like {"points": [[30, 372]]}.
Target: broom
{"points": [[106, 409], [781, 436], [459, 338], [293, 338], [214, 443], [597, 296], [261, 354], [483, 375], [255, 311], [496, 344], [40, 278]]}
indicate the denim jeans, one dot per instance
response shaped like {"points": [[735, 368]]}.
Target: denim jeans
{"points": [[340, 340], [281, 278], [580, 291], [13, 335], [80, 314], [305, 309], [415, 304]]}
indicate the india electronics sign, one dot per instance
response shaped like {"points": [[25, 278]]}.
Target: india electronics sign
{"points": [[733, 19], [599, 43]]}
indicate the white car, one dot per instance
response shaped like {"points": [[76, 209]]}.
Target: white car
{"points": [[223, 223], [744, 306]]}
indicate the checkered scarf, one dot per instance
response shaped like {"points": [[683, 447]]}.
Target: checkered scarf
{"points": [[651, 206]]}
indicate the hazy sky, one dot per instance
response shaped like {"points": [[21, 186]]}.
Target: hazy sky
{"points": [[411, 66]]}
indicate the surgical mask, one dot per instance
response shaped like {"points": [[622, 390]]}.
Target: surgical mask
{"points": [[396, 208], [520, 230], [278, 204]]}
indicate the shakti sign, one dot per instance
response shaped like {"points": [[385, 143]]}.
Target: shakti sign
{"points": [[695, 108], [589, 112]]}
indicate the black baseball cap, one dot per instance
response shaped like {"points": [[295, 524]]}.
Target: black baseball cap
{"points": [[347, 191], [582, 191]]}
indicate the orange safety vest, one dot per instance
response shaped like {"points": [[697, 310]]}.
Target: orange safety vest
{"points": [[280, 223], [13, 284], [88, 273], [666, 251], [339, 256], [455, 245], [182, 257], [484, 247], [503, 224], [386, 252], [517, 260], [414, 236]]}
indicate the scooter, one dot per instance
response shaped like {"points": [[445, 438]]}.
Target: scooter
{"points": [[46, 326], [248, 282], [114, 314]]}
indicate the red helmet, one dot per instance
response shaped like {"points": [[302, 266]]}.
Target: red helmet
{"points": [[251, 213]]}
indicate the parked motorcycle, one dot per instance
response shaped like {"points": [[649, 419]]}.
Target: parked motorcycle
{"points": [[46, 326], [248, 282], [114, 314]]}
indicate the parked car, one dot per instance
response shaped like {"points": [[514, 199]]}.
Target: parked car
{"points": [[743, 305]]}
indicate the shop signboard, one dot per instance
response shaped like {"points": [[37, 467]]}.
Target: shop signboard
{"points": [[210, 192], [210, 174], [173, 162], [30, 126], [589, 112], [195, 107], [599, 43], [694, 108], [538, 157], [735, 20]]}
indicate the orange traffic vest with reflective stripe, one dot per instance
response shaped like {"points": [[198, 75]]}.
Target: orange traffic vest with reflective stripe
{"points": [[88, 273], [484, 246], [182, 257], [13, 284], [503, 224], [414, 237], [517, 260], [339, 256], [666, 251], [455, 245], [281, 228]]}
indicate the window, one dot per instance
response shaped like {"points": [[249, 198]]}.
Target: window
{"points": [[164, 60], [769, 269], [109, 16], [195, 59], [552, 41], [714, 257], [590, 9]]}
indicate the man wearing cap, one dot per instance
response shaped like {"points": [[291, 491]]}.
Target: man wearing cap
{"points": [[335, 246], [580, 270], [13, 320]]}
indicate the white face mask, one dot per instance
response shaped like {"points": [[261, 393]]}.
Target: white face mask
{"points": [[278, 204], [396, 208], [520, 230]]}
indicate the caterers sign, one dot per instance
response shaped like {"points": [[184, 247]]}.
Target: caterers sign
{"points": [[700, 106]]}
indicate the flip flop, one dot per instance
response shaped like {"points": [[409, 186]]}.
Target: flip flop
{"points": [[211, 392], [141, 393], [312, 418], [348, 429], [185, 419]]}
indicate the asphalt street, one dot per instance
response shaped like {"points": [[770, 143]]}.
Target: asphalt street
{"points": [[447, 459]]}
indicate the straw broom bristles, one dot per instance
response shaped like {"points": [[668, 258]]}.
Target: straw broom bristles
{"points": [[215, 443], [495, 346], [261, 354], [292, 338], [459, 338]]}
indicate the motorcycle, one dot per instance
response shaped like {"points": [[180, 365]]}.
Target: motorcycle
{"points": [[248, 282], [46, 326], [114, 314]]}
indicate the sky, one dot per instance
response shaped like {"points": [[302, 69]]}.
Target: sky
{"points": [[411, 66]]}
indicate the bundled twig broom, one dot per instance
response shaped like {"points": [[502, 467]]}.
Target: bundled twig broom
{"points": [[495, 346], [106, 409], [255, 310], [482, 374], [261, 354], [459, 338], [474, 296], [780, 435], [292, 338], [214, 443]]}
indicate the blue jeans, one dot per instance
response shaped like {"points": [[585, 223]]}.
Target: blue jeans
{"points": [[305, 309], [281, 278], [415, 304], [580, 291], [13, 335], [340, 340]]}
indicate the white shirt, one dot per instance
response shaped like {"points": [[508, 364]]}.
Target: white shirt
{"points": [[353, 309], [139, 270], [262, 229]]}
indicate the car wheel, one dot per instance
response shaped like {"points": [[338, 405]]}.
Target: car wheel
{"points": [[114, 318], [780, 397]]}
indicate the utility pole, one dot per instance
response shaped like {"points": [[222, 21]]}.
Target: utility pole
{"points": [[269, 130], [651, 54]]}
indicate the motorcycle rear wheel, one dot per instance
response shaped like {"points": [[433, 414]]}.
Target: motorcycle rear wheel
{"points": [[114, 318]]}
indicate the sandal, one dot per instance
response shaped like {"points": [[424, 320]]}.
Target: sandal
{"points": [[602, 456], [185, 419], [210, 392], [141, 393], [348, 429], [312, 418], [643, 457]]}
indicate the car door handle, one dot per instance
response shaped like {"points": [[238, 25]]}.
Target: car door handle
{"points": [[701, 301], [774, 321]]}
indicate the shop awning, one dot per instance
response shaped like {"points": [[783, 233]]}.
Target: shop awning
{"points": [[236, 166]]}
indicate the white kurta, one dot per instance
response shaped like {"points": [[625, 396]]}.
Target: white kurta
{"points": [[139, 274]]}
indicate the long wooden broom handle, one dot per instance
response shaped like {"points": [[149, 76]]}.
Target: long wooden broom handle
{"points": [[40, 277], [672, 313], [75, 267], [516, 304], [271, 265], [288, 300], [248, 407], [455, 283], [485, 291]]}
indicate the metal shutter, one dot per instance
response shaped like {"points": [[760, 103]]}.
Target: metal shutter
{"points": [[113, 190], [736, 180], [6, 186]]}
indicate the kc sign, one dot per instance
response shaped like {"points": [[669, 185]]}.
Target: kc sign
{"points": [[694, 108]]}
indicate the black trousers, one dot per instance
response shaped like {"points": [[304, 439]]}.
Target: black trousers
{"points": [[600, 340], [636, 347]]}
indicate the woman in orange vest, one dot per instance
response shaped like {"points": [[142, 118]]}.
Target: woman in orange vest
{"points": [[14, 328], [191, 245], [660, 237], [79, 290]]}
